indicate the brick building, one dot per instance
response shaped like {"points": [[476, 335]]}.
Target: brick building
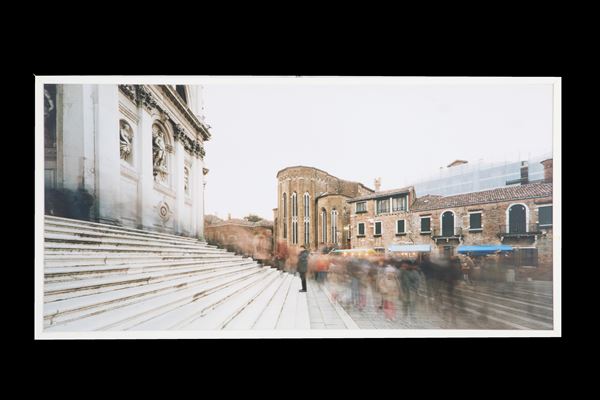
{"points": [[516, 216], [312, 208]]}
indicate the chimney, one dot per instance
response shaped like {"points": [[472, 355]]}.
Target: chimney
{"points": [[524, 172], [228, 215], [547, 170], [377, 184], [524, 179]]}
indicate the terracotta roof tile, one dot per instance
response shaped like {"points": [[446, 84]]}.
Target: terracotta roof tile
{"points": [[530, 191], [382, 193]]}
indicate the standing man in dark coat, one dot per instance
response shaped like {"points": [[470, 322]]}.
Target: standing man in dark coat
{"points": [[303, 266]]}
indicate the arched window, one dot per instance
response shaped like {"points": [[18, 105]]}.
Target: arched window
{"points": [[323, 225], [517, 218], [447, 224], [334, 215], [284, 215], [306, 218], [180, 89], [294, 218]]}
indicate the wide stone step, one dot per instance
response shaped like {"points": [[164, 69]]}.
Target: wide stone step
{"points": [[247, 318], [224, 298], [90, 233], [51, 247], [117, 259], [268, 319], [221, 306], [212, 311], [302, 315], [102, 304], [80, 273], [287, 317], [105, 277], [129, 316], [51, 237], [66, 222], [240, 305], [60, 290], [80, 264]]}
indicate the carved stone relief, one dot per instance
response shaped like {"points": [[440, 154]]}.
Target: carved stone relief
{"points": [[126, 140], [164, 211], [186, 179], [159, 153]]}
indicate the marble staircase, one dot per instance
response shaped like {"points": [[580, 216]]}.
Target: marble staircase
{"points": [[103, 277]]}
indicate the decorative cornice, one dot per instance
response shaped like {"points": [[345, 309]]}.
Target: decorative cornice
{"points": [[193, 147], [142, 96], [184, 109], [145, 98], [130, 92], [179, 132]]}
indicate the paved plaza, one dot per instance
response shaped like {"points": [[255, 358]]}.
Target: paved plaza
{"points": [[524, 305]]}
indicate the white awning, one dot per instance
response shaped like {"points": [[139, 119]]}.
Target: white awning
{"points": [[410, 248]]}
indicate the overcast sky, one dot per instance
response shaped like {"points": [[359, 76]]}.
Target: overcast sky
{"points": [[401, 133]]}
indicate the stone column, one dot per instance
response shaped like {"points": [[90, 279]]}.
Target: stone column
{"points": [[76, 138], [198, 195], [146, 178], [75, 135], [108, 160], [178, 213], [195, 202]]}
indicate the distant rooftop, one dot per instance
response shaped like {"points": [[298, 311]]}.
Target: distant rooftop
{"points": [[522, 192], [242, 222], [325, 172], [383, 193]]}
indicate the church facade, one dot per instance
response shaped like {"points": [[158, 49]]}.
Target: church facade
{"points": [[130, 155]]}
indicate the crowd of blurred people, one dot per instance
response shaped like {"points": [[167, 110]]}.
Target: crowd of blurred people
{"points": [[395, 284]]}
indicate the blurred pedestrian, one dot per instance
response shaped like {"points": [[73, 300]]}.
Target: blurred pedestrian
{"points": [[389, 287], [410, 281], [467, 269], [428, 269], [303, 266], [375, 270], [322, 266], [337, 280]]}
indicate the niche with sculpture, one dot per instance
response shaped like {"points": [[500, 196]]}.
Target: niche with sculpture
{"points": [[159, 153], [126, 141]]}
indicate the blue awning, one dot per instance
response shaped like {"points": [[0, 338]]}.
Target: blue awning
{"points": [[410, 248], [484, 249]]}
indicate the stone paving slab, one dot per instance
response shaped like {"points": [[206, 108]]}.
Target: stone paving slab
{"points": [[323, 314], [427, 315]]}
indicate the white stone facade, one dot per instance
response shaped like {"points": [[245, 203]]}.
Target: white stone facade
{"points": [[137, 149]]}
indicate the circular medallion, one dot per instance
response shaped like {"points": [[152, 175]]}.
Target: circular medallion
{"points": [[164, 211]]}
